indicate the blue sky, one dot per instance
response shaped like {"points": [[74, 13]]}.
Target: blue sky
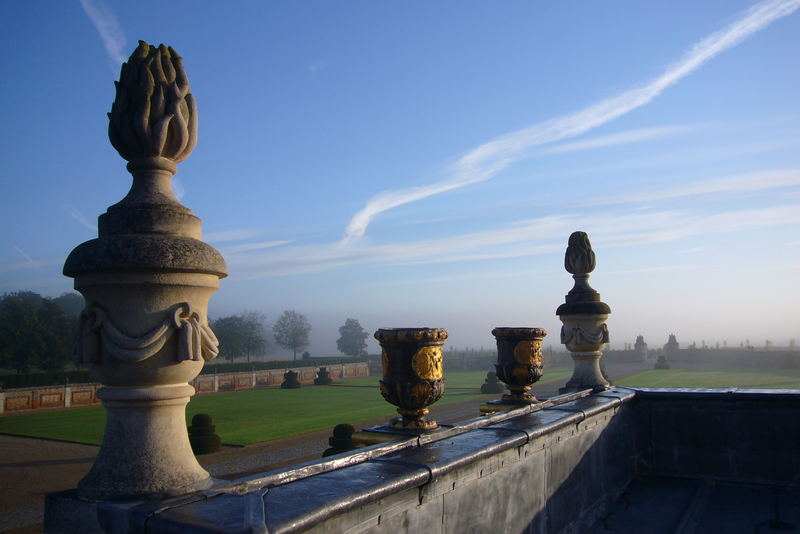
{"points": [[422, 164]]}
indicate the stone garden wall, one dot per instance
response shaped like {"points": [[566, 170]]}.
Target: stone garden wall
{"points": [[70, 395]]}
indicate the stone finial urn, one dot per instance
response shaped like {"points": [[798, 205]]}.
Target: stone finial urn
{"points": [[519, 361], [584, 330], [147, 279], [412, 373]]}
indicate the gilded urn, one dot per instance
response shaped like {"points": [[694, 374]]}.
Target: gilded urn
{"points": [[519, 361], [412, 373]]}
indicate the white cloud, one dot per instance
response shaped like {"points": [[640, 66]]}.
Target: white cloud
{"points": [[526, 238], [686, 156], [654, 269], [33, 264], [485, 161], [247, 247], [106, 24], [231, 235], [746, 182], [621, 138]]}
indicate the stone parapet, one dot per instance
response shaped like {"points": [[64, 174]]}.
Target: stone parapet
{"points": [[552, 469]]}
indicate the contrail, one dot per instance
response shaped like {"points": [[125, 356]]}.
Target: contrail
{"points": [[485, 161], [107, 26], [28, 259], [25, 255], [76, 214]]}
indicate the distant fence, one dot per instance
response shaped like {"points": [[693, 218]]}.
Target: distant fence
{"points": [[70, 395]]}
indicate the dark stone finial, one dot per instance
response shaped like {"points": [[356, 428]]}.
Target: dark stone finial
{"points": [[579, 258], [154, 115]]}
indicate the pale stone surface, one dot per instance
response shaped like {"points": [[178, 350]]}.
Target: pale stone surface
{"points": [[584, 336], [583, 315], [147, 279]]}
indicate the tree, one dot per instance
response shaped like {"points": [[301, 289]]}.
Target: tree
{"points": [[71, 304], [240, 335], [34, 332], [353, 338], [291, 331]]}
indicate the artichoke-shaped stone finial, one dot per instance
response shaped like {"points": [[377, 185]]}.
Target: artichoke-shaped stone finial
{"points": [[154, 114], [579, 258], [579, 261]]}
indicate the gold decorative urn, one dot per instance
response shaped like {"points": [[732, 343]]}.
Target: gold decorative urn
{"points": [[412, 373], [519, 361]]}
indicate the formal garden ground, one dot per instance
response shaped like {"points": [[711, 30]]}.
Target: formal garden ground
{"points": [[254, 416], [31, 468]]}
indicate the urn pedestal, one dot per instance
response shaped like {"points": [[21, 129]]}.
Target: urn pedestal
{"points": [[147, 279], [584, 336], [583, 314], [412, 374]]}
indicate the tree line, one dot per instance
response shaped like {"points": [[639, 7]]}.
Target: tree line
{"points": [[39, 332], [245, 335]]}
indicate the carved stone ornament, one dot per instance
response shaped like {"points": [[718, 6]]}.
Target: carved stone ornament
{"points": [[519, 361], [146, 279], [579, 258], [412, 373], [427, 363], [154, 114], [98, 336], [528, 352], [579, 335]]}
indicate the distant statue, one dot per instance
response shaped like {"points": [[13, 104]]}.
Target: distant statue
{"points": [[640, 348], [671, 348]]}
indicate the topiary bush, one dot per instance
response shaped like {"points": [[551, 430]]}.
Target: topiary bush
{"points": [[202, 435], [290, 380], [661, 363], [341, 440], [492, 384], [323, 377]]}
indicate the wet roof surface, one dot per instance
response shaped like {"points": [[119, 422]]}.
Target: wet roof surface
{"points": [[669, 505]]}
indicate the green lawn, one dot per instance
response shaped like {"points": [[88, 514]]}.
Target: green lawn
{"points": [[252, 416], [716, 378], [468, 379]]}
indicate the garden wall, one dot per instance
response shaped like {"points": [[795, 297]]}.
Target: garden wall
{"points": [[67, 396]]}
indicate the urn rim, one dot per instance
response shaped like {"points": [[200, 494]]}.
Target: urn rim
{"points": [[410, 335], [523, 332]]}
